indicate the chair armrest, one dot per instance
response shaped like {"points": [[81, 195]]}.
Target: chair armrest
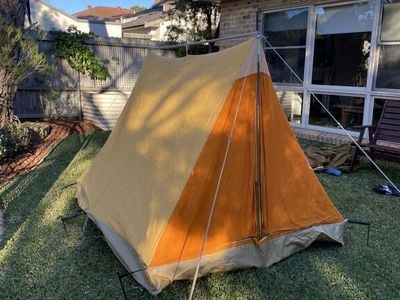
{"points": [[364, 126]]}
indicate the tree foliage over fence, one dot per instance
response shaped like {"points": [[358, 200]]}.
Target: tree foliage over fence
{"points": [[71, 46], [15, 66], [19, 54]]}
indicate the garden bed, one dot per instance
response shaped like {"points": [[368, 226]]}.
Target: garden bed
{"points": [[54, 132]]}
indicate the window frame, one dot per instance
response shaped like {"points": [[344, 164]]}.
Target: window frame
{"points": [[369, 92], [265, 47], [378, 46]]}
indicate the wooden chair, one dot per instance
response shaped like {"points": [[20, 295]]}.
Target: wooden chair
{"points": [[384, 138]]}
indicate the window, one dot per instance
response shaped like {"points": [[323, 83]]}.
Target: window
{"points": [[338, 50], [292, 105], [378, 106], [388, 67], [388, 75], [342, 45], [390, 31], [287, 32], [346, 109]]}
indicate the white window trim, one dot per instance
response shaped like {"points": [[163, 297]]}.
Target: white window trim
{"points": [[369, 92]]}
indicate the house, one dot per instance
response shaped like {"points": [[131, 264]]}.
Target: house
{"points": [[148, 23], [104, 13], [346, 53], [49, 18]]}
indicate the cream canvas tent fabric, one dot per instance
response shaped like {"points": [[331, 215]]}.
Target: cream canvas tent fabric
{"points": [[151, 187]]}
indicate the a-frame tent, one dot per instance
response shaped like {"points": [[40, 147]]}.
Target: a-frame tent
{"points": [[203, 163]]}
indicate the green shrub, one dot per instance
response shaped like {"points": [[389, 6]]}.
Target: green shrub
{"points": [[71, 46], [13, 139]]}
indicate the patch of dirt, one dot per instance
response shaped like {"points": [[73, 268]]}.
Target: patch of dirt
{"points": [[29, 160]]}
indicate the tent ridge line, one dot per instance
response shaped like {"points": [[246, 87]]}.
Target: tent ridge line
{"points": [[186, 44]]}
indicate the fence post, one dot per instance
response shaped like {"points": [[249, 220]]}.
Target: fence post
{"points": [[80, 96]]}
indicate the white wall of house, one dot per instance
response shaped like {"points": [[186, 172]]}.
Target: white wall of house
{"points": [[48, 18]]}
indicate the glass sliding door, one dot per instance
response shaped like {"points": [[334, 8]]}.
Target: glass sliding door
{"points": [[377, 111], [286, 31], [388, 75], [338, 50], [342, 45], [346, 109], [292, 105]]}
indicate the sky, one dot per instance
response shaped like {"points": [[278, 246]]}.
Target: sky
{"points": [[73, 6]]}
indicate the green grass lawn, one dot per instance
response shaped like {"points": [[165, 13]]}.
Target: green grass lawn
{"points": [[38, 260]]}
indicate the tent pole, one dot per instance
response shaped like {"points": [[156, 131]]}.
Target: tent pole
{"points": [[258, 139], [214, 200], [185, 44]]}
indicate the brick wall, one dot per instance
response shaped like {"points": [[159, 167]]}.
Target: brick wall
{"points": [[239, 16]]}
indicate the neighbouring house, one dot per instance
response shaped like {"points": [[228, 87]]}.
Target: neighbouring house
{"points": [[148, 23], [152, 23], [104, 13], [49, 17], [347, 53]]}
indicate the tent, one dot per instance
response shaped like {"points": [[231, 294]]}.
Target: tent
{"points": [[202, 170]]}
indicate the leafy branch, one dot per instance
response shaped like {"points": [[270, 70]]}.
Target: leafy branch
{"points": [[19, 55], [71, 46]]}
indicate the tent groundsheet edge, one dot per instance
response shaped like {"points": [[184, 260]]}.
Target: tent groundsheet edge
{"points": [[253, 254]]}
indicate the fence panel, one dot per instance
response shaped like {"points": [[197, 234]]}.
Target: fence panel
{"points": [[51, 104], [66, 94], [124, 65], [63, 77], [103, 109]]}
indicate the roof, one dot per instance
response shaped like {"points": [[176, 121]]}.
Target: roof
{"points": [[53, 8], [104, 12], [153, 13]]}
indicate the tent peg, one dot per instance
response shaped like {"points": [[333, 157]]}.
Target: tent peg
{"points": [[68, 185], [122, 276], [65, 218], [363, 223]]}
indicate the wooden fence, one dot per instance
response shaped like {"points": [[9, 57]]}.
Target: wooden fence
{"points": [[67, 94]]}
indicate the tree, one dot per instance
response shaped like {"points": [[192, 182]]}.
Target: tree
{"points": [[138, 8], [193, 20], [14, 11], [19, 53]]}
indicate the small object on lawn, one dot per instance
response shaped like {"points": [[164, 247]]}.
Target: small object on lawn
{"points": [[68, 185], [64, 218], [363, 223], [331, 171], [122, 276], [319, 168], [387, 189]]}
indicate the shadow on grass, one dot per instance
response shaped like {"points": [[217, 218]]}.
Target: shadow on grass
{"points": [[21, 197], [38, 260]]}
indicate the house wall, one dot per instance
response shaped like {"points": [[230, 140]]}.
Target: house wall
{"points": [[49, 18], [142, 32], [155, 30]]}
